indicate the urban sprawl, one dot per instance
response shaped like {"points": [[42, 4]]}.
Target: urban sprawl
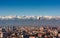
{"points": [[29, 32]]}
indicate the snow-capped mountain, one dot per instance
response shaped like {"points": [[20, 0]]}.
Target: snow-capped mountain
{"points": [[29, 20], [19, 17], [30, 17]]}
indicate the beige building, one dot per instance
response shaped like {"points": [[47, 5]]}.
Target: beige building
{"points": [[1, 34], [32, 37]]}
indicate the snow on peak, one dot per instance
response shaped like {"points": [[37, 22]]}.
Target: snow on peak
{"points": [[29, 17]]}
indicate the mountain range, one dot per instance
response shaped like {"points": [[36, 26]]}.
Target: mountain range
{"points": [[30, 20]]}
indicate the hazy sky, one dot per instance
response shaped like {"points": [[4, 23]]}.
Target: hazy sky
{"points": [[30, 7]]}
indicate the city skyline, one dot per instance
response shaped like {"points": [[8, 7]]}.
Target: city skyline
{"points": [[30, 7]]}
